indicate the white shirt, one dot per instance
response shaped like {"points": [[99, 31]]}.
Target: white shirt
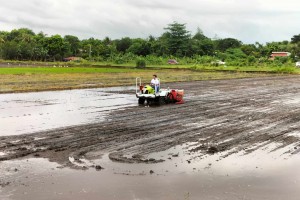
{"points": [[155, 82]]}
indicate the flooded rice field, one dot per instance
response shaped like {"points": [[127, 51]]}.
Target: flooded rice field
{"points": [[258, 176], [22, 113], [232, 139]]}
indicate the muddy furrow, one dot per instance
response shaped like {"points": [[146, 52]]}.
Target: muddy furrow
{"points": [[230, 115]]}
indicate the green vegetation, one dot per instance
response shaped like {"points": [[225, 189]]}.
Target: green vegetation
{"points": [[34, 62], [193, 50], [62, 70], [141, 63], [41, 79]]}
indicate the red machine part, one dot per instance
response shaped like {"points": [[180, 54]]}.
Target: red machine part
{"points": [[176, 96], [141, 87]]}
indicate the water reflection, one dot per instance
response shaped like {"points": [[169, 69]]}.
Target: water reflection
{"points": [[31, 112]]}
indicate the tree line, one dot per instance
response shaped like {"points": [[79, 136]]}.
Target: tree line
{"points": [[175, 42]]}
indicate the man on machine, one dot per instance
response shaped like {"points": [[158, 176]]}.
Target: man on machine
{"points": [[155, 83]]}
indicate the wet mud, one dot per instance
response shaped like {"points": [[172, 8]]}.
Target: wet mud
{"points": [[236, 115], [232, 139], [227, 115]]}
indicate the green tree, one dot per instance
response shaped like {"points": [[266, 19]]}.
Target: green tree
{"points": [[249, 49], [74, 44], [10, 51], [234, 54], [123, 44], [140, 47], [227, 43], [22, 34], [199, 35], [3, 35], [107, 41], [295, 51], [295, 38], [56, 47], [178, 39], [159, 47], [203, 47], [94, 48], [40, 51], [26, 50]]}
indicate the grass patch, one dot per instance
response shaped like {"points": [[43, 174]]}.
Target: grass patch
{"points": [[62, 70], [22, 67], [269, 69], [43, 78]]}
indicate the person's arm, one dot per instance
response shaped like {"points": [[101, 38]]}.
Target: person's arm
{"points": [[157, 82], [152, 82]]}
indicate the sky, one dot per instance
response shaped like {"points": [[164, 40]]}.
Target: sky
{"points": [[247, 20]]}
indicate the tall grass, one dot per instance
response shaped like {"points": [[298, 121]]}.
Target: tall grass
{"points": [[62, 70]]}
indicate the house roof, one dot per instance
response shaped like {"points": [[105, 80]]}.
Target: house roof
{"points": [[281, 53]]}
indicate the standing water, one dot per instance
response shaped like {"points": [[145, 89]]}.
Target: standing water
{"points": [[23, 113]]}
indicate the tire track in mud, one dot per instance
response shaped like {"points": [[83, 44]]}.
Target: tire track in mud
{"points": [[228, 115]]}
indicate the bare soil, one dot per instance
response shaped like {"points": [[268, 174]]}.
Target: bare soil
{"points": [[218, 116]]}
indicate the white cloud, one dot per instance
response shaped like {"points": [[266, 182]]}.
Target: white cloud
{"points": [[249, 21]]}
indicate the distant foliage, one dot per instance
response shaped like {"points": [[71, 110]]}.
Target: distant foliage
{"points": [[175, 42], [141, 63], [228, 43], [177, 39], [296, 38]]}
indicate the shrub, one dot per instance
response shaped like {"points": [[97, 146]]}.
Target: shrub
{"points": [[285, 69], [140, 63]]}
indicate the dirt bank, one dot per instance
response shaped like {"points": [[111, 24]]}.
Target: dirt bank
{"points": [[227, 115]]}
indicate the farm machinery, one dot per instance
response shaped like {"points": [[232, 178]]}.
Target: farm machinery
{"points": [[147, 94]]}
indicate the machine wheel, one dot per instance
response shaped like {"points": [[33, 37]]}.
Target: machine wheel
{"points": [[169, 98], [150, 102], [161, 100], [141, 101]]}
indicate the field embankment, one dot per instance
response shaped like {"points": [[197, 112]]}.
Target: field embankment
{"points": [[33, 78]]}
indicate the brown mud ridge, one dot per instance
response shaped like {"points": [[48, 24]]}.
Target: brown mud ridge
{"points": [[226, 116]]}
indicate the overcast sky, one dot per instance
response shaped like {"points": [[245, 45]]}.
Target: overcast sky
{"points": [[246, 20]]}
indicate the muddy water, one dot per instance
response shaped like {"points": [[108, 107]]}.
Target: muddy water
{"points": [[31, 112], [260, 175], [254, 125]]}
